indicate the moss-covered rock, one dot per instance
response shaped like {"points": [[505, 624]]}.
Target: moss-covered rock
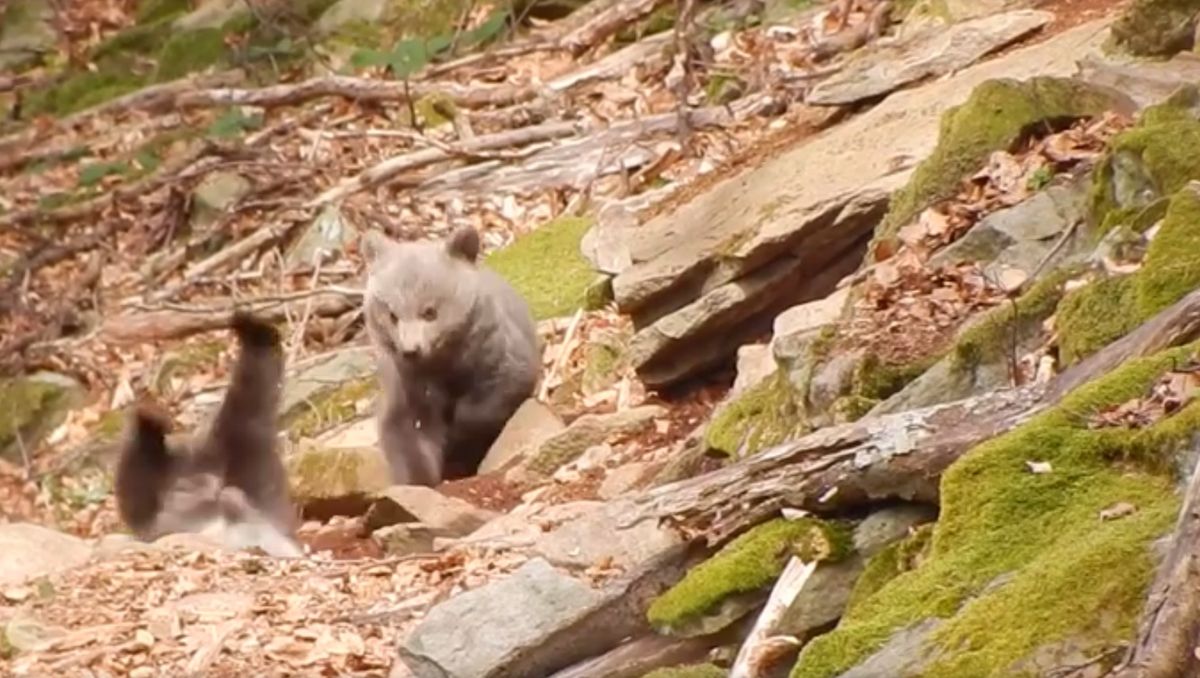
{"points": [[689, 671], [1091, 317], [30, 407], [1017, 559], [891, 562], [329, 408], [990, 339], [189, 52], [320, 473], [746, 565], [547, 267], [766, 414], [1156, 27], [994, 117]]}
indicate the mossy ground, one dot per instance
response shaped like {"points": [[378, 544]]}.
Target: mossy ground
{"points": [[689, 671], [764, 415], [1091, 317], [991, 337], [893, 561], [996, 115], [22, 403], [329, 409], [745, 565], [1071, 575], [1155, 27], [547, 267]]}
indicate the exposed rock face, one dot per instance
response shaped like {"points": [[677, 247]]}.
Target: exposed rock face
{"points": [[597, 537], [932, 51], [713, 273], [28, 551], [448, 516]]}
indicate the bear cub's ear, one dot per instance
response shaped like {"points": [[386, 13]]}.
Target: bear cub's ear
{"points": [[464, 244], [372, 245]]}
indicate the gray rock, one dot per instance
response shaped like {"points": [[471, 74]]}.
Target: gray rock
{"points": [[904, 655], [218, 192], [888, 526], [823, 599], [477, 632], [329, 232], [522, 525], [28, 551], [807, 209], [406, 539], [587, 431], [343, 12], [638, 657], [605, 245], [794, 329], [531, 425], [1023, 235], [447, 516], [597, 537], [622, 479], [324, 374], [210, 14], [31, 407], [26, 634], [831, 380], [754, 363], [931, 52], [26, 33], [319, 475], [1146, 82]]}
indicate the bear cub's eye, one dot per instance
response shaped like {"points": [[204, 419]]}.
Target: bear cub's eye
{"points": [[429, 313]]}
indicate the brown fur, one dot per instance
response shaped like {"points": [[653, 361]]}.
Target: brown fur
{"points": [[233, 473], [458, 353]]}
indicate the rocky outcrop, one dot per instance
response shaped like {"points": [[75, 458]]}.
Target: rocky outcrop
{"points": [[712, 274]]}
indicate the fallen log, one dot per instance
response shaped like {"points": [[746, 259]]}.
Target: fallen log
{"points": [[607, 23], [1169, 633], [897, 456]]}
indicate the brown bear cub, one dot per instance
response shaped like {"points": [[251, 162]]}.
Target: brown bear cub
{"points": [[229, 483], [458, 353]]}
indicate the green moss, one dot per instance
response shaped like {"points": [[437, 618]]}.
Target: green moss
{"points": [[1070, 575], [990, 338], [435, 109], [144, 39], [23, 402], [1155, 27], [994, 117], [689, 671], [110, 426], [1171, 268], [893, 561], [1158, 160], [764, 415], [329, 409], [156, 10], [334, 473], [1092, 316], [547, 268], [746, 565], [876, 380], [851, 408], [83, 89], [1182, 106], [190, 51]]}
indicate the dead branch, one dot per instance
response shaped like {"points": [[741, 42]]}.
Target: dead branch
{"points": [[898, 456], [134, 328], [155, 98], [190, 165], [855, 36], [392, 167], [762, 645], [1170, 629], [233, 253], [614, 65], [358, 89], [607, 23]]}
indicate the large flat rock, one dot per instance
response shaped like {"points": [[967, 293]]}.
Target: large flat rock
{"points": [[932, 51], [809, 210]]}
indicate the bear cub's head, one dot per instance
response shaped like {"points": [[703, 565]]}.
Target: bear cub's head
{"points": [[421, 295]]}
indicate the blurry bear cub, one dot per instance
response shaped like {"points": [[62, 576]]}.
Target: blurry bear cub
{"points": [[229, 483]]}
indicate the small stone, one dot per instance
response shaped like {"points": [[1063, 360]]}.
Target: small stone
{"points": [[447, 516], [406, 539], [621, 480], [528, 427]]}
